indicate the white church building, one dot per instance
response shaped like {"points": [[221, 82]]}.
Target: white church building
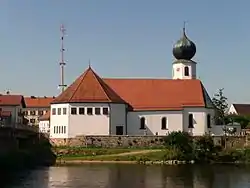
{"points": [[93, 105]]}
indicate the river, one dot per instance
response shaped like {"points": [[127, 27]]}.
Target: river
{"points": [[134, 176]]}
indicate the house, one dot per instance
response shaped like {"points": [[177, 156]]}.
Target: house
{"points": [[239, 109], [36, 107], [11, 107], [44, 123], [92, 105]]}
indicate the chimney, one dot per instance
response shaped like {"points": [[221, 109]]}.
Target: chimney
{"points": [[33, 97]]}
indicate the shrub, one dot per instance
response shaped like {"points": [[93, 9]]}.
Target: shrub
{"points": [[181, 141]]}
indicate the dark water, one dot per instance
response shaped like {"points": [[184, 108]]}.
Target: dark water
{"points": [[135, 176]]}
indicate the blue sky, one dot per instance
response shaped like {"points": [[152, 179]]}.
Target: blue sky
{"points": [[131, 38]]}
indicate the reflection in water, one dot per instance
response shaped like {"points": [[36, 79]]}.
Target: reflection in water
{"points": [[137, 176]]}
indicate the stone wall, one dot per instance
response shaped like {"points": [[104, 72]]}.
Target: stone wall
{"points": [[138, 141]]}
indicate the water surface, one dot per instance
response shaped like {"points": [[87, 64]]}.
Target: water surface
{"points": [[135, 176]]}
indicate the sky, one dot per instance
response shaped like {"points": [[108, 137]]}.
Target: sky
{"points": [[132, 38]]}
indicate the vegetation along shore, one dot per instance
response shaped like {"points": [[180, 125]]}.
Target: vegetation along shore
{"points": [[179, 148]]}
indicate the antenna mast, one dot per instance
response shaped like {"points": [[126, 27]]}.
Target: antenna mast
{"points": [[62, 62]]}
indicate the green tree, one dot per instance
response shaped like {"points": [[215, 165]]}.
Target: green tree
{"points": [[242, 120], [221, 105]]}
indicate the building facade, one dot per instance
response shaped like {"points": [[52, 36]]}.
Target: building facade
{"points": [[92, 105], [36, 107], [11, 107]]}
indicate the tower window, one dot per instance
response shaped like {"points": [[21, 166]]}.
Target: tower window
{"points": [[186, 71], [190, 121], [142, 121]]}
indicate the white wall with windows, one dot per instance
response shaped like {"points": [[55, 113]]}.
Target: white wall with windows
{"points": [[154, 122], [184, 70], [59, 120], [44, 126]]}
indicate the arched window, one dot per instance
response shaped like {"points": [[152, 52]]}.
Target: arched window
{"points": [[190, 121], [208, 121], [142, 126], [186, 71], [164, 123]]}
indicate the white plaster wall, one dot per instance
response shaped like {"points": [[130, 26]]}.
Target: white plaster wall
{"points": [[89, 124], [232, 110], [180, 74], [59, 120], [44, 126], [118, 117], [153, 122], [199, 119]]}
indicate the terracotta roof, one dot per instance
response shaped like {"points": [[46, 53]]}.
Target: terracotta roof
{"points": [[12, 100], [38, 102], [242, 109], [5, 113], [139, 94], [45, 116], [88, 87], [159, 94]]}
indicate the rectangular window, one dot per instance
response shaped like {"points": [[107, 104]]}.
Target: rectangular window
{"points": [[73, 111], [25, 113], [97, 111], [59, 111], [54, 130], [64, 111], [40, 112], [59, 129], [33, 112], [82, 111], [53, 111], [64, 129], [90, 111], [105, 111]]}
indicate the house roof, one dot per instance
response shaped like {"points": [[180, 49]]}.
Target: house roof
{"points": [[159, 94], [139, 94], [242, 109], [88, 87], [45, 117], [12, 100], [38, 102]]}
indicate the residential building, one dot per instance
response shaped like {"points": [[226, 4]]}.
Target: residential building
{"points": [[44, 123], [239, 109], [36, 107], [92, 105], [11, 107]]}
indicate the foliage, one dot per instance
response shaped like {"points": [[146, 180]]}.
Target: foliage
{"points": [[221, 105], [204, 148], [181, 141], [242, 120]]}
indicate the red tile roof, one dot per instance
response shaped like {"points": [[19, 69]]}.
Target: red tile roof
{"points": [[45, 116], [38, 102], [140, 94], [159, 94], [242, 109], [12, 100], [88, 87]]}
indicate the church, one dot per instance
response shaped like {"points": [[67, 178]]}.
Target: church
{"points": [[93, 105]]}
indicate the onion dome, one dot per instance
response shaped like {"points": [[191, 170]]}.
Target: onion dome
{"points": [[184, 48]]}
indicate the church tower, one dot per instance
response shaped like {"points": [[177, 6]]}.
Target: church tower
{"points": [[184, 50]]}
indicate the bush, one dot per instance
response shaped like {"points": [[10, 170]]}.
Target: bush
{"points": [[179, 140]]}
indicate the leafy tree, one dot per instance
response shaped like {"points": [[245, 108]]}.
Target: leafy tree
{"points": [[221, 105], [242, 120]]}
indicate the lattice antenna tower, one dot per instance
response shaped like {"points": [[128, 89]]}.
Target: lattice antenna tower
{"points": [[62, 63]]}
